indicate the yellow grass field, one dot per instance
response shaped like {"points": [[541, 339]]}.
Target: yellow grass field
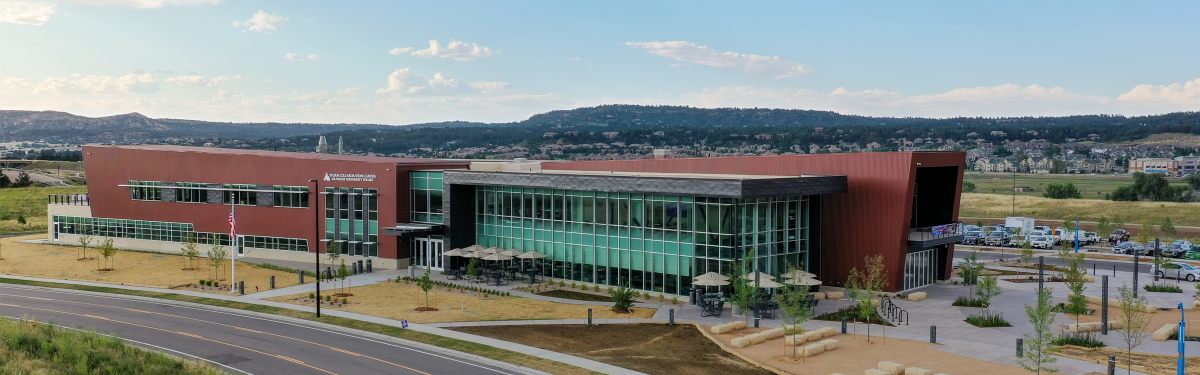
{"points": [[995, 205], [131, 268], [398, 301]]}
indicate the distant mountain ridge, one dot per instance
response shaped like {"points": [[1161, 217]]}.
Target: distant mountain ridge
{"points": [[134, 127]]}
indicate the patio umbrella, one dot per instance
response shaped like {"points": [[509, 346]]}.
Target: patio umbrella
{"points": [[455, 253], [804, 281], [764, 283], [797, 274], [532, 255], [492, 250], [473, 254], [496, 257], [709, 281], [750, 276], [710, 276], [512, 252]]}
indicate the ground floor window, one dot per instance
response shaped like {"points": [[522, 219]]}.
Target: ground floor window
{"points": [[167, 232], [427, 252], [920, 268]]}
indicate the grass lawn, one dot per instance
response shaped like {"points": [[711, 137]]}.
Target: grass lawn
{"points": [[647, 348], [516, 358], [130, 267], [399, 300], [30, 348], [1092, 187], [998, 206], [30, 202]]}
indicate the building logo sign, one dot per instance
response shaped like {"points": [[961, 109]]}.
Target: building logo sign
{"points": [[349, 177]]}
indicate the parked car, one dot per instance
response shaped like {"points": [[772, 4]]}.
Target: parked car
{"points": [[1128, 247], [972, 237], [995, 239], [1042, 242], [1148, 248], [1091, 238], [1178, 248], [1042, 228], [1118, 236], [1193, 254], [1176, 269]]}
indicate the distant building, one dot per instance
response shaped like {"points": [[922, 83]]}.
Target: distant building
{"points": [[322, 146], [1023, 189], [1154, 165]]}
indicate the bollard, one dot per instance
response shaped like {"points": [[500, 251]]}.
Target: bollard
{"points": [[672, 321], [692, 297], [589, 316], [272, 281], [1112, 364], [369, 268], [1020, 347], [241, 287], [933, 334], [301, 276], [360, 267], [1135, 273], [843, 325], [756, 318], [1041, 275], [1104, 305], [1114, 270], [1093, 268]]}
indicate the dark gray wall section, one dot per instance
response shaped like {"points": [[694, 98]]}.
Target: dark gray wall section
{"points": [[168, 192], [458, 206], [216, 196], [265, 198], [703, 187]]}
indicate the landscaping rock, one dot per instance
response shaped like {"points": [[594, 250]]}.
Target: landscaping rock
{"points": [[813, 349], [1162, 334], [728, 327], [772, 334], [835, 295], [876, 372], [891, 367], [1089, 278], [917, 371], [827, 331], [830, 344], [740, 342], [916, 296], [817, 295]]}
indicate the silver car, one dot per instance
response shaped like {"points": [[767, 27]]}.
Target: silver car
{"points": [[1183, 271]]}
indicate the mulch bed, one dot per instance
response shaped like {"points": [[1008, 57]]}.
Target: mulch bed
{"points": [[647, 348], [569, 294]]}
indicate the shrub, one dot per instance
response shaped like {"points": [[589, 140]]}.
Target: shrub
{"points": [[562, 283], [622, 298], [1084, 339], [661, 298], [1062, 190], [988, 321], [596, 288], [572, 285], [674, 300], [345, 301], [968, 302], [202, 282], [1163, 288], [646, 295], [328, 298], [312, 296]]}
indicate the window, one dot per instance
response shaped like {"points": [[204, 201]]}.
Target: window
{"points": [[351, 219], [191, 195], [291, 196], [167, 231], [145, 190], [426, 197], [240, 194]]}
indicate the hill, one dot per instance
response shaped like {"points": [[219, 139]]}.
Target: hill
{"points": [[62, 127]]}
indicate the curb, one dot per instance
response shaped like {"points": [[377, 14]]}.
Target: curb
{"points": [[722, 345]]}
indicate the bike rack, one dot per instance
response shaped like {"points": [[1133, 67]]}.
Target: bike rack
{"points": [[893, 312]]}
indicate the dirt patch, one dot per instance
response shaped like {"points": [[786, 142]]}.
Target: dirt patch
{"points": [[568, 294], [128, 267], [400, 300], [596, 295], [648, 348], [1148, 363], [855, 355]]}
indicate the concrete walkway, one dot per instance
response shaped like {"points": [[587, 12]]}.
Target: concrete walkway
{"points": [[536, 352]]}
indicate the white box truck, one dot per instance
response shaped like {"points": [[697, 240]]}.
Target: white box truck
{"points": [[1017, 226]]}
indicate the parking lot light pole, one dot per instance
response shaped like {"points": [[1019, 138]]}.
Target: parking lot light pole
{"points": [[317, 239]]}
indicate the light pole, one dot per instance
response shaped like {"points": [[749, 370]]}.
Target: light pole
{"points": [[317, 239]]}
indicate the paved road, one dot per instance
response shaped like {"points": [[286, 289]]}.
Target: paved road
{"points": [[242, 342], [1101, 264]]}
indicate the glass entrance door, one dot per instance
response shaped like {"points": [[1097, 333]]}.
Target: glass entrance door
{"points": [[428, 253], [920, 268]]}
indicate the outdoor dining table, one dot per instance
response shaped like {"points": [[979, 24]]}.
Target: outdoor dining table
{"points": [[513, 271], [532, 273], [498, 276]]}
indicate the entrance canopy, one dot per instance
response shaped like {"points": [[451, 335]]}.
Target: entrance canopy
{"points": [[413, 229]]}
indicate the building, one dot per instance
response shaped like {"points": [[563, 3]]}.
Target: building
{"points": [[1169, 167], [652, 223]]}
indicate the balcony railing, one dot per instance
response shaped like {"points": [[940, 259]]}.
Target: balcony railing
{"points": [[936, 232], [69, 199]]}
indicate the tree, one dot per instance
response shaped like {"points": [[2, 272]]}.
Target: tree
{"points": [[1135, 320], [425, 283], [969, 187], [332, 254], [871, 281], [22, 180], [107, 251], [1058, 166], [744, 291], [21, 219], [342, 274], [216, 258], [1037, 343], [970, 268], [622, 297], [1062, 190], [1001, 152], [473, 268], [190, 251], [5, 182], [1026, 252], [1193, 181], [1168, 228], [1103, 226], [793, 300], [85, 241], [988, 288], [1075, 276], [1051, 151]]}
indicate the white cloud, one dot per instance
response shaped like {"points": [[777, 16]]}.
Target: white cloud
{"points": [[350, 90], [489, 87], [195, 80], [262, 22], [459, 51], [93, 84], [1185, 95], [404, 81], [576, 58], [16, 83], [26, 12], [295, 57], [752, 65], [144, 3]]}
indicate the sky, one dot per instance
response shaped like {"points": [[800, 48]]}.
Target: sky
{"points": [[400, 62]]}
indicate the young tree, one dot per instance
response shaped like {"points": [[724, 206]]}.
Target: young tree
{"points": [[332, 254], [190, 251], [107, 250], [792, 300], [1103, 227], [21, 220], [988, 288], [622, 298], [473, 268], [871, 281], [1168, 229], [85, 242], [342, 274], [1069, 224], [970, 268], [1075, 276], [216, 258], [425, 283], [1026, 254], [744, 291], [1135, 318], [1036, 358]]}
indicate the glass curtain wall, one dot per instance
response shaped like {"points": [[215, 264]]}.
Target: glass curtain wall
{"points": [[426, 201], [653, 242], [352, 219]]}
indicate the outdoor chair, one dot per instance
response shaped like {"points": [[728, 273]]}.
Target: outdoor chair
{"points": [[712, 309]]}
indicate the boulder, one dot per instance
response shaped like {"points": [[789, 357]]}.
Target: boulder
{"points": [[830, 344], [740, 342], [916, 296], [876, 372], [1083, 327], [917, 371], [728, 327], [1089, 278], [772, 334], [835, 295], [1151, 308], [827, 331], [891, 367], [817, 295], [812, 349], [1114, 324], [1164, 333], [1094, 299]]}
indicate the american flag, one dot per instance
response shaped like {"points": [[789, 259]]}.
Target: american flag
{"points": [[232, 223]]}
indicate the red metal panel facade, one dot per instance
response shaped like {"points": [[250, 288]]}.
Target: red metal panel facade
{"points": [[872, 217], [110, 166]]}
